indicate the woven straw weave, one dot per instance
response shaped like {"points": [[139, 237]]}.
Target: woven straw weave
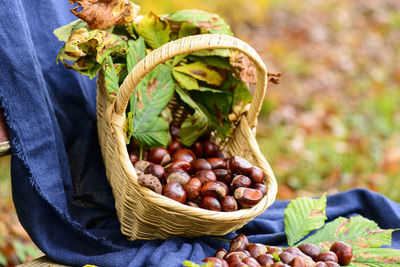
{"points": [[144, 214]]}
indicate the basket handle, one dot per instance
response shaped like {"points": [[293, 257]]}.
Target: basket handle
{"points": [[188, 45]]}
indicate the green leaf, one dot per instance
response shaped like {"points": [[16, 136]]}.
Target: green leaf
{"points": [[375, 257], [63, 33], [185, 81], [154, 30], [207, 22], [358, 232], [195, 124], [188, 29], [3, 260], [136, 52], [149, 99], [215, 61], [121, 71], [241, 93], [303, 215], [111, 78], [202, 72]]}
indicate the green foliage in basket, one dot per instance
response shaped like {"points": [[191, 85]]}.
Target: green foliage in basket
{"points": [[202, 82]]}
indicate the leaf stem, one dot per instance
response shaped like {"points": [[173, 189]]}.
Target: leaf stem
{"points": [[141, 152]]}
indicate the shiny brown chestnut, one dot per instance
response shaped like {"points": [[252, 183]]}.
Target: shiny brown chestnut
{"points": [[175, 191], [179, 165], [210, 203], [156, 170], [299, 262], [286, 257], [320, 264], [260, 187], [220, 253], [224, 186], [240, 181], [265, 259], [216, 261], [280, 264], [310, 250], [251, 262], [331, 264], [239, 264], [213, 189], [216, 163], [235, 256], [239, 242], [274, 250], [295, 251], [256, 175], [133, 158], [229, 204], [210, 149], [201, 164], [257, 250], [240, 165], [197, 149], [184, 154], [206, 176], [192, 188], [159, 155], [223, 176], [247, 197], [327, 256], [178, 176], [343, 251], [174, 147]]}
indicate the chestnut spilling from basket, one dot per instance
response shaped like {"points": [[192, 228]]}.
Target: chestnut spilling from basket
{"points": [[200, 176], [242, 254]]}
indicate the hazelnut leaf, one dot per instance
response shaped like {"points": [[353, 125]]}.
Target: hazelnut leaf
{"points": [[302, 216], [103, 15]]}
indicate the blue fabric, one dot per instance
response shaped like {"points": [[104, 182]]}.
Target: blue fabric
{"points": [[59, 186]]}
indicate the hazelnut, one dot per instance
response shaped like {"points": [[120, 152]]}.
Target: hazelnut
{"points": [[260, 187], [133, 158], [256, 175], [223, 175], [156, 170], [240, 165], [213, 189], [175, 191], [201, 164], [179, 165], [310, 249], [178, 176], [150, 181], [220, 253], [174, 147], [184, 154], [265, 259], [217, 262], [159, 155], [239, 242], [216, 163], [247, 197], [257, 250], [210, 149], [343, 251], [251, 262], [206, 176], [327, 256], [197, 149], [210, 203], [192, 188], [240, 181], [228, 203]]}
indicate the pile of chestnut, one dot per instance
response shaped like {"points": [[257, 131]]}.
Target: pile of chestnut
{"points": [[200, 176], [242, 254]]}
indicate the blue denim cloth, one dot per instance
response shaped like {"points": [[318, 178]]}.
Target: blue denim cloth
{"points": [[60, 190]]}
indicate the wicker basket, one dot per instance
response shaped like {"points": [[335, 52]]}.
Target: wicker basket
{"points": [[144, 214]]}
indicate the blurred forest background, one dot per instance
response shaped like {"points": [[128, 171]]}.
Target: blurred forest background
{"points": [[333, 122]]}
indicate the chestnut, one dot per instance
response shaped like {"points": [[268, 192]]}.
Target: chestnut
{"points": [[256, 175], [224, 186], [332, 264], [280, 264], [310, 249], [210, 149], [260, 187], [216, 261], [274, 250], [257, 250], [159, 155], [233, 257], [197, 149], [156, 170], [239, 264], [206, 176], [251, 262], [286, 257], [141, 165], [191, 204], [179, 165], [201, 164], [327, 256], [239, 242], [295, 251], [299, 262], [210, 203], [150, 181], [240, 181], [174, 147], [184, 154], [320, 264], [192, 188], [240, 165], [133, 158], [265, 259], [213, 189], [228, 203], [223, 176], [216, 163], [175, 191], [178, 176], [220, 253], [247, 197], [343, 251]]}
